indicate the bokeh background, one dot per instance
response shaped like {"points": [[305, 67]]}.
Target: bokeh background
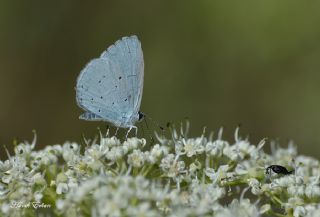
{"points": [[219, 63]]}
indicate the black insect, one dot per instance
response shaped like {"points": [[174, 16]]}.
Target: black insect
{"points": [[278, 169]]}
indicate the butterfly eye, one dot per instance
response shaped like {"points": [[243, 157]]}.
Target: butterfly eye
{"points": [[141, 115]]}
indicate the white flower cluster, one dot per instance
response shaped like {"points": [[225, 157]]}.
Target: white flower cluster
{"points": [[178, 176]]}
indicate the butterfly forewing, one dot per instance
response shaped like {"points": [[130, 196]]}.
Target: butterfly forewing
{"points": [[128, 53]]}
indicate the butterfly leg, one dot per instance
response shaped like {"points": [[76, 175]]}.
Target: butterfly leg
{"points": [[128, 132], [136, 129], [131, 127]]}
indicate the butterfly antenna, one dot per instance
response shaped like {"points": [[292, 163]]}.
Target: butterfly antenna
{"points": [[155, 123], [148, 129], [142, 131]]}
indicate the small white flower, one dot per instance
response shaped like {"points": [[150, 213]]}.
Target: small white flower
{"points": [[243, 208], [156, 153], [299, 211], [243, 168], [73, 183], [24, 193], [52, 183], [179, 147], [54, 149], [115, 153], [39, 179], [285, 181], [172, 166], [60, 204], [5, 208], [143, 209], [70, 151], [136, 158], [257, 152], [134, 143], [292, 203], [283, 155], [96, 151], [216, 176], [61, 177], [193, 146], [7, 177], [38, 196], [313, 210], [216, 148], [255, 186], [62, 188], [86, 187], [17, 172], [204, 197], [4, 190], [233, 153], [43, 158], [109, 142], [24, 149], [253, 182], [93, 156], [265, 208], [307, 161], [195, 166], [312, 191], [5, 166], [245, 147], [314, 180]]}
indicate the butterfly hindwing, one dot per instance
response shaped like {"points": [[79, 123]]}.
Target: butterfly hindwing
{"points": [[96, 91], [110, 87]]}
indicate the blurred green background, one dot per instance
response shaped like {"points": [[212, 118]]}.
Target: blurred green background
{"points": [[219, 63]]}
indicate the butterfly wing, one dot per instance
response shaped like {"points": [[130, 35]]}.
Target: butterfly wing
{"points": [[110, 87], [97, 91], [128, 54], [90, 117]]}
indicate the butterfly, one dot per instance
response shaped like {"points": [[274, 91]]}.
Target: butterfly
{"points": [[110, 87]]}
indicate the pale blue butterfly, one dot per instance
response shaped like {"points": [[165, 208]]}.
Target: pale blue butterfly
{"points": [[109, 88]]}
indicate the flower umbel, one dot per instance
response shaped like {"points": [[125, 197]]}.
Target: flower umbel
{"points": [[178, 176]]}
